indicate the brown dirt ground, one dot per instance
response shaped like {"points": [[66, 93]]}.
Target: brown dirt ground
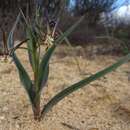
{"points": [[95, 107]]}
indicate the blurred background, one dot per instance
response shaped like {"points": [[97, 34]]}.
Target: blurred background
{"points": [[107, 22]]}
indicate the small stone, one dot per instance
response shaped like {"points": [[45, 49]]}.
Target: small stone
{"points": [[82, 122], [17, 126], [2, 117], [15, 117], [5, 109]]}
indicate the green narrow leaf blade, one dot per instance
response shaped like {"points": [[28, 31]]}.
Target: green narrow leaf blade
{"points": [[17, 46], [24, 78], [44, 67], [82, 83], [30, 45], [44, 79], [10, 37]]}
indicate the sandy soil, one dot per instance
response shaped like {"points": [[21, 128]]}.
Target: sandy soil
{"points": [[95, 107]]}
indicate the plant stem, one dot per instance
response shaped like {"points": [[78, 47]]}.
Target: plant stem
{"points": [[36, 109]]}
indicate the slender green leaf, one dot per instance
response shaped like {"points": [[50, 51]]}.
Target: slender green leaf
{"points": [[24, 77], [10, 40], [44, 77], [44, 66], [82, 83], [17, 46], [23, 16], [32, 42], [32, 46]]}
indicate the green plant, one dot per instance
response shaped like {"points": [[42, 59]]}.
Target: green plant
{"points": [[40, 68]]}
